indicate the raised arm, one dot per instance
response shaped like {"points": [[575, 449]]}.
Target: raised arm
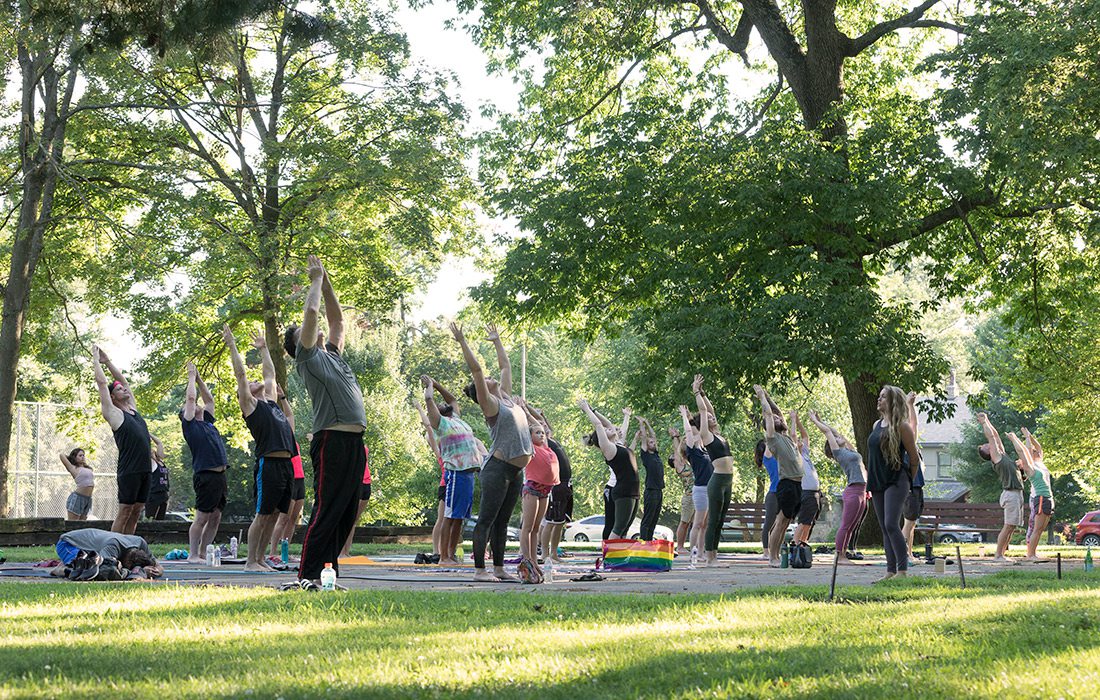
{"points": [[432, 443], [1027, 463], [448, 397], [625, 427], [685, 418], [765, 410], [191, 394], [284, 405], [110, 412], [432, 415], [69, 466], [710, 407], [996, 447], [606, 446], [116, 373], [316, 272], [244, 397], [487, 402], [830, 435], [260, 343], [911, 402], [1033, 443], [634, 440], [204, 394], [677, 458], [603, 419], [334, 313], [705, 436], [158, 449], [542, 418], [503, 362], [802, 433]]}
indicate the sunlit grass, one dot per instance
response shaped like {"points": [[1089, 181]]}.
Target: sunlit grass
{"points": [[1013, 634]]}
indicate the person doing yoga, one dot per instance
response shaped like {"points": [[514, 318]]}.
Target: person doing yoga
{"points": [[720, 486], [1042, 497], [1012, 486], [679, 463], [511, 450], [702, 469], [788, 493], [854, 499], [209, 461], [653, 496], [622, 463], [79, 503], [892, 461]]}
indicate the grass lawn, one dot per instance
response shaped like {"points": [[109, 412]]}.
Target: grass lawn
{"points": [[1015, 634]]}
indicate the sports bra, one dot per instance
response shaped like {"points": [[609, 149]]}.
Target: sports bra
{"points": [[717, 449]]}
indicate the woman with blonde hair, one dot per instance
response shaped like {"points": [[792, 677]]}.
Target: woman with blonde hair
{"points": [[892, 462]]}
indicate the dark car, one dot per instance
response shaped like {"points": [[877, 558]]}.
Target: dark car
{"points": [[1088, 530], [468, 531]]}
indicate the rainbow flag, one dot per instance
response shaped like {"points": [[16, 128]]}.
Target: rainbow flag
{"points": [[635, 555]]}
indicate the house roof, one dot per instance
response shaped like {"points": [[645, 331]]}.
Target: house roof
{"points": [[948, 432]]}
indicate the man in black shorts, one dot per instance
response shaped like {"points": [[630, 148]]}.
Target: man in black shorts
{"points": [[559, 511], [274, 439], [119, 409], [208, 462], [788, 492]]}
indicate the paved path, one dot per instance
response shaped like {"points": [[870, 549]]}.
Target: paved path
{"points": [[734, 572]]}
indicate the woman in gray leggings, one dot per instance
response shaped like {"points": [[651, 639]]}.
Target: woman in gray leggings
{"points": [[892, 460], [502, 475]]}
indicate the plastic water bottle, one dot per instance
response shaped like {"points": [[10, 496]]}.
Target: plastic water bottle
{"points": [[284, 550], [460, 555], [217, 556], [210, 555], [1088, 559], [784, 556], [233, 547], [548, 571], [328, 578]]}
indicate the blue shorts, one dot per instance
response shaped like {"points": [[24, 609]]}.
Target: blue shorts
{"points": [[66, 551], [458, 500]]}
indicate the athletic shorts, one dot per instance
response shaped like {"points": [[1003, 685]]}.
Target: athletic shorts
{"points": [[78, 504], [1012, 501], [458, 494], [133, 488], [1042, 505], [66, 551], [914, 503], [687, 507], [272, 480], [699, 499], [364, 492], [298, 490], [560, 508], [809, 508], [788, 495], [534, 488], [210, 490]]}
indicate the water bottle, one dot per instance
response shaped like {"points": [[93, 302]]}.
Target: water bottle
{"points": [[328, 578], [217, 556], [460, 555], [233, 547], [210, 555], [1088, 559], [784, 556], [548, 571], [284, 550]]}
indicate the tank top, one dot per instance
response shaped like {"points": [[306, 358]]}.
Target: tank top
{"points": [[880, 472], [270, 429], [134, 447], [625, 468], [717, 449], [1040, 481], [771, 465], [654, 470], [511, 436], [565, 470], [701, 465], [84, 477]]}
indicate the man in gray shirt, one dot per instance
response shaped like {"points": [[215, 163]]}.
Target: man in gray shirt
{"points": [[339, 420], [128, 550]]}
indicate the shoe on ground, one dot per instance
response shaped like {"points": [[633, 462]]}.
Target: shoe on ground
{"points": [[302, 584], [419, 558], [91, 567], [432, 559], [855, 556]]}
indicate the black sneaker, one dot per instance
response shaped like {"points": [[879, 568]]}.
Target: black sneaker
{"points": [[432, 559], [420, 558], [855, 556], [91, 569]]}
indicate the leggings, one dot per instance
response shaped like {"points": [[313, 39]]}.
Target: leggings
{"points": [[888, 508], [500, 485], [771, 509], [855, 505], [719, 491], [651, 511], [608, 513], [625, 508]]}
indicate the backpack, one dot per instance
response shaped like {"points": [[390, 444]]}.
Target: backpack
{"points": [[801, 556]]}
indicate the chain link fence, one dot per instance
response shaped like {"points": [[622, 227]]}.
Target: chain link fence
{"points": [[38, 484]]}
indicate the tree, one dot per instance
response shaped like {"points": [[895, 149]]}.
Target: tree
{"points": [[52, 43], [297, 134], [745, 236]]}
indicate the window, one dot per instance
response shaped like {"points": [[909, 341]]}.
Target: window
{"points": [[944, 465]]}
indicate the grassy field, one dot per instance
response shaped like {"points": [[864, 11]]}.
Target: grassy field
{"points": [[1016, 634]]}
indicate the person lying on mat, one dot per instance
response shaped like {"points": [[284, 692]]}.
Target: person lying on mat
{"points": [[92, 554]]}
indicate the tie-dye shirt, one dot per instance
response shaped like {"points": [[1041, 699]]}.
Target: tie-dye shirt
{"points": [[457, 445]]}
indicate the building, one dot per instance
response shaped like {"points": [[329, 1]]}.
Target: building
{"points": [[936, 440]]}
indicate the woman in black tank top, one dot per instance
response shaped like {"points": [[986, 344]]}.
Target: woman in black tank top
{"points": [[720, 486]]}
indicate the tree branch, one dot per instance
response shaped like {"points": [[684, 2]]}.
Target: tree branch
{"points": [[763, 108], [939, 24], [738, 41], [881, 29]]}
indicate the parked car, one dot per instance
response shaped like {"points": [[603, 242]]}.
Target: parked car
{"points": [[1088, 530], [950, 534], [178, 516], [590, 529], [468, 531]]}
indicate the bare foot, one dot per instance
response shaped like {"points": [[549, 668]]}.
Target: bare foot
{"points": [[485, 577], [887, 577], [774, 563], [1000, 557], [682, 552], [901, 574], [555, 561], [765, 556], [253, 566], [448, 562], [195, 560], [842, 561], [505, 577], [344, 555]]}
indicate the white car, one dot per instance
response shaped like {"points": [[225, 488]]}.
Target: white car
{"points": [[590, 529]]}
